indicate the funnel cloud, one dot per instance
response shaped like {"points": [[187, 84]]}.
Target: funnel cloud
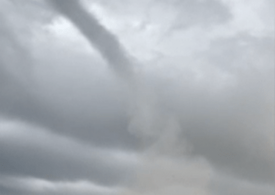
{"points": [[196, 115]]}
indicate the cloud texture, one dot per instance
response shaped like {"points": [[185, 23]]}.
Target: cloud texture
{"points": [[164, 97]]}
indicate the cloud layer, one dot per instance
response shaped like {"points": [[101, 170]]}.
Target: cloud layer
{"points": [[199, 118]]}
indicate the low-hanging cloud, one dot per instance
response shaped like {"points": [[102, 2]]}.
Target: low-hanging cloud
{"points": [[147, 120], [202, 111], [105, 42]]}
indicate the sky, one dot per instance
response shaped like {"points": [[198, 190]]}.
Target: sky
{"points": [[127, 97]]}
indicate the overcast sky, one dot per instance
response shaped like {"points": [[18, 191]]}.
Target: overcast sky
{"points": [[137, 97]]}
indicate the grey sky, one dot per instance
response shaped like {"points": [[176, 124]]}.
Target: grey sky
{"points": [[199, 118]]}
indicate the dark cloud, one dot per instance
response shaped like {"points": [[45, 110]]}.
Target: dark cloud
{"points": [[28, 185], [65, 117], [223, 124], [104, 41], [30, 151], [22, 97], [27, 103]]}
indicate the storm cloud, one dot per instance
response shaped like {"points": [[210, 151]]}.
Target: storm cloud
{"points": [[198, 120]]}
